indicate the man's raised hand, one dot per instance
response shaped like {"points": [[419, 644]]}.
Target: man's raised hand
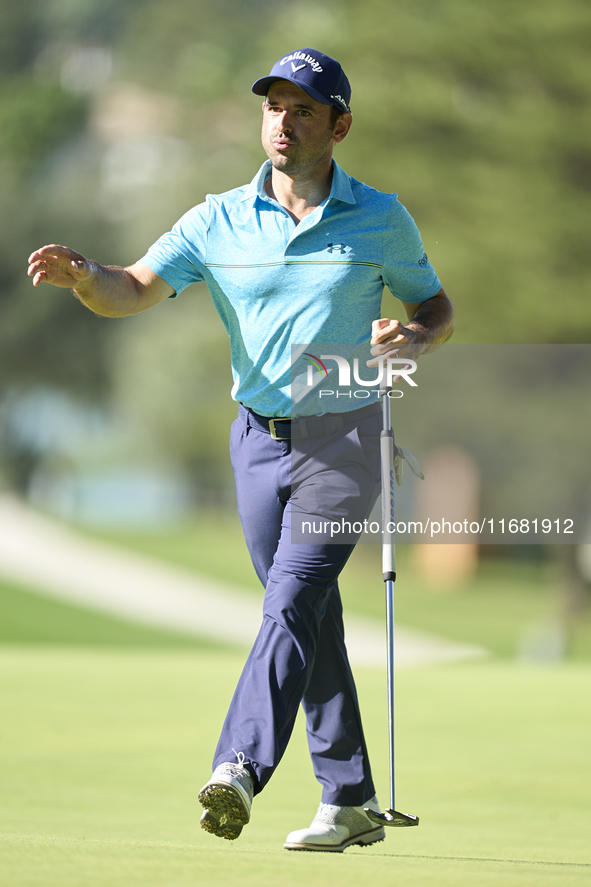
{"points": [[59, 266]]}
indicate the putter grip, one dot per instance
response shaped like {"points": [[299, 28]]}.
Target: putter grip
{"points": [[388, 505]]}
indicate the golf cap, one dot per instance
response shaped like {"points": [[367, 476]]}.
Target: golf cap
{"points": [[317, 74]]}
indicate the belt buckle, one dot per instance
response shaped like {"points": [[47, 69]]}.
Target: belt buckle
{"points": [[273, 431]]}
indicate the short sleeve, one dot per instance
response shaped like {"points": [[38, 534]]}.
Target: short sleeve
{"points": [[407, 272], [178, 257]]}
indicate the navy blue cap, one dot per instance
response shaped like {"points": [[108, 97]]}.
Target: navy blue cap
{"points": [[317, 74]]}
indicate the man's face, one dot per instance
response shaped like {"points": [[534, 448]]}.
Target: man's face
{"points": [[297, 134]]}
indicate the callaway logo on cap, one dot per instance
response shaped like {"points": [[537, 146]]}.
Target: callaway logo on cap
{"points": [[317, 74]]}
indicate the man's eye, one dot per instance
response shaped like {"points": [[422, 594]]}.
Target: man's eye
{"points": [[303, 113]]}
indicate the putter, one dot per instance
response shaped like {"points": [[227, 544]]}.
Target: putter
{"points": [[391, 816]]}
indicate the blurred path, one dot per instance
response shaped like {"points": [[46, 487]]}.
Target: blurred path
{"points": [[50, 558]]}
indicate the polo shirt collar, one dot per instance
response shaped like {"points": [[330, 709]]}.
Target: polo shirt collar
{"points": [[340, 188], [341, 185]]}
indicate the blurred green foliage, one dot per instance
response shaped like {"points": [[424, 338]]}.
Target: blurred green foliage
{"points": [[116, 117], [35, 118]]}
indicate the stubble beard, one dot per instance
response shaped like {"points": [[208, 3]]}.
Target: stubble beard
{"points": [[299, 162]]}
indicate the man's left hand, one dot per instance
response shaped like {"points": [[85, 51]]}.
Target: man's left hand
{"points": [[389, 338], [430, 324]]}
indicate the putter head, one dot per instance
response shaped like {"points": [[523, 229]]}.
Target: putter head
{"points": [[392, 818]]}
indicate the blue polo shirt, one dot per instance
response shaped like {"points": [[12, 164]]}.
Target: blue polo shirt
{"points": [[276, 284]]}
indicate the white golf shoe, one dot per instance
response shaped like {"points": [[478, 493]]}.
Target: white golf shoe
{"points": [[335, 828], [227, 800]]}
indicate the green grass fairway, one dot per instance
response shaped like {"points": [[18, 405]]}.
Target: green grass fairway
{"points": [[103, 752]]}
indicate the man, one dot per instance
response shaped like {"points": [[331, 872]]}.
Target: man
{"points": [[301, 255]]}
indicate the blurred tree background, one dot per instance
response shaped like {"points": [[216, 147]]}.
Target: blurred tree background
{"points": [[117, 116]]}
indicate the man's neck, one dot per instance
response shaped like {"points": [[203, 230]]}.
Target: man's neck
{"points": [[299, 196]]}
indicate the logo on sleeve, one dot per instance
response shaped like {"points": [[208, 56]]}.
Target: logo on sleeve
{"points": [[424, 261]]}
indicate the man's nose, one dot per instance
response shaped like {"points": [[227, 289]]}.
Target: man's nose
{"points": [[284, 122]]}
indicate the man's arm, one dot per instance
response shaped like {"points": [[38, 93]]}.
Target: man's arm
{"points": [[430, 323], [107, 290]]}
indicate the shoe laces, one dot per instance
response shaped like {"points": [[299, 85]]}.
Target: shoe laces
{"points": [[239, 771], [327, 812], [240, 757], [333, 814]]}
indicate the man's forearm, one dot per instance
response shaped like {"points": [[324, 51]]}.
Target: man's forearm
{"points": [[433, 321], [109, 291]]}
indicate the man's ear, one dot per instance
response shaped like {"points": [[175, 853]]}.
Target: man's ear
{"points": [[342, 126]]}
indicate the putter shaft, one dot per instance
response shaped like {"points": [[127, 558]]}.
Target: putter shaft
{"points": [[391, 817]]}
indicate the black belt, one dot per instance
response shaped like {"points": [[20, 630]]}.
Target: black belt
{"points": [[306, 426]]}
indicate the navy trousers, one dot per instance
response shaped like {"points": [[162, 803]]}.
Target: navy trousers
{"points": [[299, 655]]}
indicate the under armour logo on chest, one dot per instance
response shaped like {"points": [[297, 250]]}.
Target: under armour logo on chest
{"points": [[337, 248]]}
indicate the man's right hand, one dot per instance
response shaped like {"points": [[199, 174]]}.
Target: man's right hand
{"points": [[106, 289], [59, 266]]}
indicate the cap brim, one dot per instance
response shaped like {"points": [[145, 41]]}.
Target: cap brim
{"points": [[261, 87]]}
